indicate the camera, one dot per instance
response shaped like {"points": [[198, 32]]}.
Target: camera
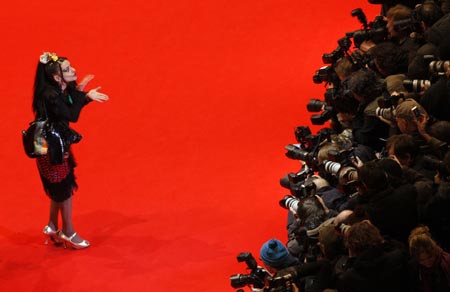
{"points": [[307, 140], [290, 203], [374, 31], [260, 278], [326, 74], [389, 100], [344, 45], [416, 112], [416, 85], [386, 113], [438, 66], [256, 277], [316, 105], [298, 183], [363, 60], [345, 174], [409, 25], [294, 152]]}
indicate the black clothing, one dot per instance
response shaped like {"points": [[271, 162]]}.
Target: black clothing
{"points": [[381, 268], [387, 4], [436, 100], [437, 216], [368, 129], [394, 211], [56, 169]]}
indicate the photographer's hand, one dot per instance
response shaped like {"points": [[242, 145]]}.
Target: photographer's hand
{"points": [[389, 122], [357, 162], [94, 95], [322, 203], [421, 123]]}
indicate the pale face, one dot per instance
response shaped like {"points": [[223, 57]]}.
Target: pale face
{"points": [[69, 73]]}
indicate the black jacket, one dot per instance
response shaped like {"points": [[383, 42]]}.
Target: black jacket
{"points": [[382, 268]]}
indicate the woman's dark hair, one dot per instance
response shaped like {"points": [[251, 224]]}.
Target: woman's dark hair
{"points": [[44, 79]]}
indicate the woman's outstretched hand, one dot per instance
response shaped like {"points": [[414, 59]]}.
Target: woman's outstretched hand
{"points": [[84, 82], [94, 95]]}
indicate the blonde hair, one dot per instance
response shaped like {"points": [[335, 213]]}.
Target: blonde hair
{"points": [[420, 241]]}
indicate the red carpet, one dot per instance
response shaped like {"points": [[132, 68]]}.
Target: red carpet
{"points": [[179, 171]]}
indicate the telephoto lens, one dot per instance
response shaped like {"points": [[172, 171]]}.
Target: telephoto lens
{"points": [[315, 105], [331, 166], [416, 85], [290, 203], [386, 113], [438, 66]]}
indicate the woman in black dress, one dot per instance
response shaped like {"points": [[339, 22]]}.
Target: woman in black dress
{"points": [[60, 99]]}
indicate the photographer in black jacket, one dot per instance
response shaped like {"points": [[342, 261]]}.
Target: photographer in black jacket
{"points": [[374, 264]]}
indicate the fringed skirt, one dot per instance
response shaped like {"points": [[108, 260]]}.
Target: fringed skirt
{"points": [[58, 179]]}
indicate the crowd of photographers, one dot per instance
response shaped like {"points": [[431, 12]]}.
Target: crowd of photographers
{"points": [[369, 209]]}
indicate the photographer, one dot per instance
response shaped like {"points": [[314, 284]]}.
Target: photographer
{"points": [[430, 264], [387, 4], [374, 264], [391, 207], [436, 214], [436, 99], [367, 129], [284, 267], [311, 213], [400, 37], [430, 24], [407, 152], [276, 257], [411, 118]]}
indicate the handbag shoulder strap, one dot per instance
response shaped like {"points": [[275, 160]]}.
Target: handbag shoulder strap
{"points": [[44, 111]]}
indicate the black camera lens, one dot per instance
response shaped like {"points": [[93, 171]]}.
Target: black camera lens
{"points": [[315, 105]]}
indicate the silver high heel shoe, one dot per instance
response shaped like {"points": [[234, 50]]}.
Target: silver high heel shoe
{"points": [[51, 234], [68, 241]]}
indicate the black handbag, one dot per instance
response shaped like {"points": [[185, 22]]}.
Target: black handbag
{"points": [[34, 141], [41, 138]]}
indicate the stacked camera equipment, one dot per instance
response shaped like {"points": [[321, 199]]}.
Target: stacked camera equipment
{"points": [[337, 169]]}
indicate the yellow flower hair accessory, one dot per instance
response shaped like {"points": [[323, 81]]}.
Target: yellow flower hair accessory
{"points": [[54, 57], [47, 57]]}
